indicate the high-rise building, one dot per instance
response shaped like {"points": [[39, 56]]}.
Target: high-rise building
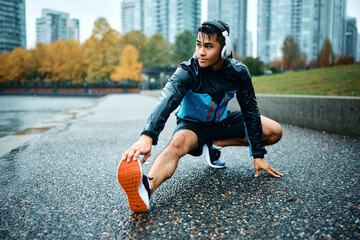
{"points": [[12, 25], [249, 44], [168, 17], [127, 13], [263, 30], [54, 25], [234, 13], [308, 21], [338, 26], [351, 42]]}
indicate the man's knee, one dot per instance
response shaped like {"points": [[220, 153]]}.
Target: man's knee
{"points": [[276, 131], [183, 141], [271, 129]]}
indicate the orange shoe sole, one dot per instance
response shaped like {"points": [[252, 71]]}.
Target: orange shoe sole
{"points": [[129, 177]]}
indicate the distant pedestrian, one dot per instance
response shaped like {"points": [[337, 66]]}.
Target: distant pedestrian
{"points": [[202, 87]]}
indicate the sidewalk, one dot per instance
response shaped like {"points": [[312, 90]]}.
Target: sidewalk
{"points": [[62, 184]]}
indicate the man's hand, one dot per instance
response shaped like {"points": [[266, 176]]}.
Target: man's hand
{"points": [[261, 164], [141, 147]]}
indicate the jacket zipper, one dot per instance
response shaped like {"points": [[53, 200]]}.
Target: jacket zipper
{"points": [[212, 106], [223, 101]]}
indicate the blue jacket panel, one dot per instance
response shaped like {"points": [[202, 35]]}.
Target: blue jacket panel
{"points": [[200, 107]]}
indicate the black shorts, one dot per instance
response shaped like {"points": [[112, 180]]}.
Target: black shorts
{"points": [[231, 127]]}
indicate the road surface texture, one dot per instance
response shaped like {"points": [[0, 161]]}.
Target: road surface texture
{"points": [[62, 185]]}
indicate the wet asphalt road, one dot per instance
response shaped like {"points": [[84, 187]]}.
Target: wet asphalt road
{"points": [[63, 185]]}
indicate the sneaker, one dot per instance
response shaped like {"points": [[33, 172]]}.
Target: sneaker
{"points": [[212, 157], [135, 184]]}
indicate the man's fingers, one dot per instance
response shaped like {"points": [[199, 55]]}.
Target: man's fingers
{"points": [[275, 171], [136, 155], [272, 173], [146, 156], [130, 155], [257, 173]]}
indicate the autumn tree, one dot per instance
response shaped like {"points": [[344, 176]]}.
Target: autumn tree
{"points": [[345, 60], [157, 52], [53, 61], [102, 51], [291, 53], [184, 46], [275, 66], [129, 68], [74, 68], [16, 65], [138, 40], [37, 56], [3, 70], [326, 57]]}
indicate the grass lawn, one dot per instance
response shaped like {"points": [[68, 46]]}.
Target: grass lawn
{"points": [[330, 81]]}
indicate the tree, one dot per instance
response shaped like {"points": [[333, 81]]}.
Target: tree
{"points": [[128, 68], [37, 57], [16, 65], [138, 40], [254, 65], [345, 60], [73, 68], [3, 69], [291, 53], [102, 51], [275, 66], [184, 46], [53, 62], [157, 52], [326, 57]]}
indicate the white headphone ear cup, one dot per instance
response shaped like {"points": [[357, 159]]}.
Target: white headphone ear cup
{"points": [[227, 49]]}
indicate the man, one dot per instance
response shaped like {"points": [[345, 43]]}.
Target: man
{"points": [[203, 87]]}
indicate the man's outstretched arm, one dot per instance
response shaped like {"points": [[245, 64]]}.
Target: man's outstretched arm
{"points": [[170, 98]]}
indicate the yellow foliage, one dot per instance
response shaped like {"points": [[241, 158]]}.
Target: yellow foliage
{"points": [[3, 70], [64, 61], [16, 65], [128, 67], [102, 50]]}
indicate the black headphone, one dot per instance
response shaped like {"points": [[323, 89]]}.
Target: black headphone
{"points": [[227, 49]]}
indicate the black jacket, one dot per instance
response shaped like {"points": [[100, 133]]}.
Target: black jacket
{"points": [[202, 88]]}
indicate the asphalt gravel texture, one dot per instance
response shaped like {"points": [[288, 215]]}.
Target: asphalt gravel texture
{"points": [[63, 185]]}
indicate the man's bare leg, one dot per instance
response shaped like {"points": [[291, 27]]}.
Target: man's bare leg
{"points": [[165, 164], [272, 133]]}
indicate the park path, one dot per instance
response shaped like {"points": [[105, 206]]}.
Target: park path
{"points": [[62, 184]]}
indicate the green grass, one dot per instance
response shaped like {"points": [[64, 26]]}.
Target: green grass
{"points": [[330, 81]]}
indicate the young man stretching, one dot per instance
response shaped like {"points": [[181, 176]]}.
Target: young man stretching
{"points": [[202, 86]]}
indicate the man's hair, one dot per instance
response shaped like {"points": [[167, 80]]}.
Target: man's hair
{"points": [[210, 30]]}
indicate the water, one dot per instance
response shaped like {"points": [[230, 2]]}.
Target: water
{"points": [[21, 112]]}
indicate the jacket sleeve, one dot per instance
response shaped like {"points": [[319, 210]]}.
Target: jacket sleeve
{"points": [[247, 101], [170, 98]]}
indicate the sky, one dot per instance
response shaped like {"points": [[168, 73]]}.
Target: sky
{"points": [[87, 11]]}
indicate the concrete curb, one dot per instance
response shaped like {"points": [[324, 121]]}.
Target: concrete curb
{"points": [[325, 113]]}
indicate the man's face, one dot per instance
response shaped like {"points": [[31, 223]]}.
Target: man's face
{"points": [[208, 51]]}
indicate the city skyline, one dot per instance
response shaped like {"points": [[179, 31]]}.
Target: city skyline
{"points": [[90, 10]]}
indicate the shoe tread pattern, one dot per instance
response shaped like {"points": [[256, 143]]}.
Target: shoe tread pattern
{"points": [[129, 177]]}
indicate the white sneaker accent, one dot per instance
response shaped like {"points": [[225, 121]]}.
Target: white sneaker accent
{"points": [[207, 156]]}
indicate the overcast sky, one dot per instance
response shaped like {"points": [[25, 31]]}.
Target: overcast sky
{"points": [[87, 11]]}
